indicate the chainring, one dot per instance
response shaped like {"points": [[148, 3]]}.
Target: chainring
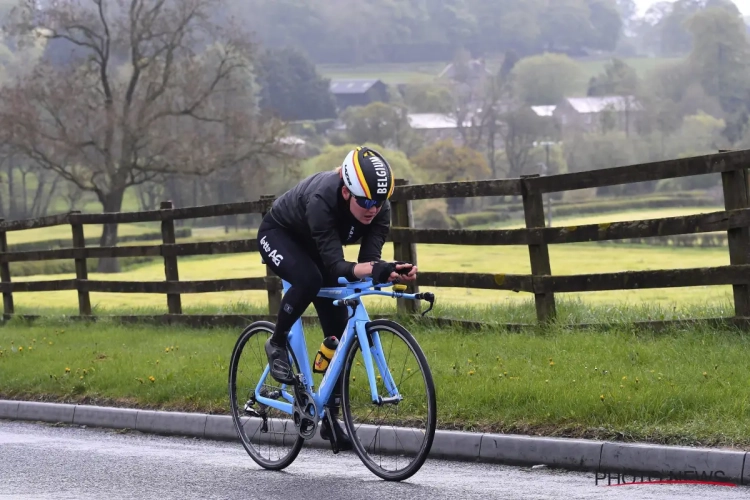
{"points": [[305, 415]]}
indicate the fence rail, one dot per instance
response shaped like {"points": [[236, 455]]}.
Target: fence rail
{"points": [[735, 220]]}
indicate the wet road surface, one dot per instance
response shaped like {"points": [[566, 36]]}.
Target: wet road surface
{"points": [[39, 461]]}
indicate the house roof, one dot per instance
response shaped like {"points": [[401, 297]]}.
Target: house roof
{"points": [[586, 105], [352, 86], [543, 110], [433, 121]]}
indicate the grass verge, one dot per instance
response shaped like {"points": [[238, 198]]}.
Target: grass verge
{"points": [[685, 385]]}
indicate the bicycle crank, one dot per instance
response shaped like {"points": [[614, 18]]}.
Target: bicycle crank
{"points": [[305, 414]]}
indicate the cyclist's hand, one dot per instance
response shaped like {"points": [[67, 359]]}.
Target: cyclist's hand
{"points": [[404, 272], [384, 272]]}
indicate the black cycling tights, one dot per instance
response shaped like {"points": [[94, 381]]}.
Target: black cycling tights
{"points": [[289, 260]]}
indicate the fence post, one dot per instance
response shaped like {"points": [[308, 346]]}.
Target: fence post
{"points": [[170, 261], [8, 309], [402, 216], [533, 210], [273, 282], [735, 184], [79, 241]]}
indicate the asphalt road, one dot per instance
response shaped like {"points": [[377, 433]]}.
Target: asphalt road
{"points": [[39, 461]]}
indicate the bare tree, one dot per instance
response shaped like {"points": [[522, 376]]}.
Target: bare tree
{"points": [[151, 87], [151, 193]]}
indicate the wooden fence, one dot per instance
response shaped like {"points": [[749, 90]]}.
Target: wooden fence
{"points": [[734, 220]]}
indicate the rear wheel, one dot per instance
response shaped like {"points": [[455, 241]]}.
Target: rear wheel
{"points": [[268, 435], [392, 439]]}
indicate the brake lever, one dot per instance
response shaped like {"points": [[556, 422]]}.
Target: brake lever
{"points": [[429, 297]]}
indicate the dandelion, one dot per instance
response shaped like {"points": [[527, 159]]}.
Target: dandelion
{"points": [[81, 377], [67, 369], [152, 379], [471, 372], [705, 374], [408, 370], [621, 386], [166, 349], [20, 348], [546, 381], [30, 348], [379, 378], [50, 343], [601, 397], [552, 363], [625, 378]]}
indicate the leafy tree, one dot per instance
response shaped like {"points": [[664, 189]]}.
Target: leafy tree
{"points": [[292, 87], [618, 78], [545, 79], [454, 19], [721, 54], [446, 161], [606, 24], [377, 122], [429, 99]]}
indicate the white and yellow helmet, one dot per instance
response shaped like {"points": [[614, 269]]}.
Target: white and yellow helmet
{"points": [[367, 174]]}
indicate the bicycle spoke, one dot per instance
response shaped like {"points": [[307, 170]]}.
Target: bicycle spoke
{"points": [[379, 431]]}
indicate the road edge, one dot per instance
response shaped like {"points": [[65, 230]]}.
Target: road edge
{"points": [[612, 462]]}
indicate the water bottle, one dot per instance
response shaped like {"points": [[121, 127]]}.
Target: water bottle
{"points": [[325, 354]]}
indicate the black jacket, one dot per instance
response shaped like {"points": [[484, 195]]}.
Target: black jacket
{"points": [[318, 216]]}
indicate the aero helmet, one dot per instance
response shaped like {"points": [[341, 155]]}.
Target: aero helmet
{"points": [[368, 176]]}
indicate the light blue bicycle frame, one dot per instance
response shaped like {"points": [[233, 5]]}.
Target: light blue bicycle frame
{"points": [[354, 332]]}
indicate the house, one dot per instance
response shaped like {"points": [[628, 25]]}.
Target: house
{"points": [[357, 92], [592, 114], [475, 71], [435, 127], [544, 111]]}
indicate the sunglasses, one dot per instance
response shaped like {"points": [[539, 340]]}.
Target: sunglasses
{"points": [[367, 204]]}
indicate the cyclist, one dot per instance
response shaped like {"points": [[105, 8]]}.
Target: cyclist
{"points": [[301, 239]]}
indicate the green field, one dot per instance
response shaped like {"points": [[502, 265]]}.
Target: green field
{"points": [[565, 259], [686, 386], [620, 216], [427, 72]]}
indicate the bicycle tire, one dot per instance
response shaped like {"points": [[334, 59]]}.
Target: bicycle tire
{"points": [[421, 456], [247, 333]]}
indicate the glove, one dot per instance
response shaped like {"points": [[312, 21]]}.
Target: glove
{"points": [[381, 270]]}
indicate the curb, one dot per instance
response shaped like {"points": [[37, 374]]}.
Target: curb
{"points": [[609, 460]]}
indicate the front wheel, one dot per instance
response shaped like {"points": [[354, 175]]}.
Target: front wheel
{"points": [[392, 439]]}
